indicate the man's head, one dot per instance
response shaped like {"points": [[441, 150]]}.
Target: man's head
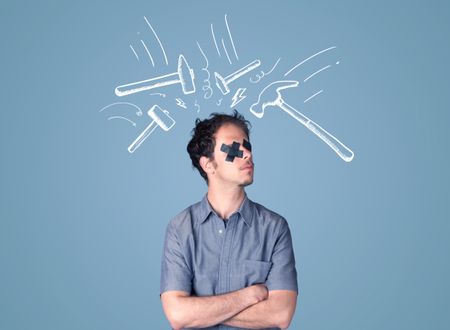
{"points": [[220, 149]]}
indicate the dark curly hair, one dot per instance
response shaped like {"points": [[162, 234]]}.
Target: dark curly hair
{"points": [[203, 136]]}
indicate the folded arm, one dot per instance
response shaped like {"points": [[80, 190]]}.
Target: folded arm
{"points": [[276, 311], [185, 311]]}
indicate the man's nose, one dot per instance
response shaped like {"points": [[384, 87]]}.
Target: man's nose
{"points": [[247, 153]]}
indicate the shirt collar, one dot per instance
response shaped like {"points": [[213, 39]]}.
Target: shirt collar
{"points": [[245, 210]]}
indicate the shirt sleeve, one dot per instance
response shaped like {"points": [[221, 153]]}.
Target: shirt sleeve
{"points": [[283, 275], [175, 272]]}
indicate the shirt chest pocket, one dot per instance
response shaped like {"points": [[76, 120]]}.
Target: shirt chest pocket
{"points": [[255, 272]]}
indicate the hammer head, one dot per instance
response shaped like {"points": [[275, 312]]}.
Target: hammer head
{"points": [[186, 75], [221, 83], [161, 117], [271, 96]]}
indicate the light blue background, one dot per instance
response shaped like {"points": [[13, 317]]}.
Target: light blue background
{"points": [[83, 221]]}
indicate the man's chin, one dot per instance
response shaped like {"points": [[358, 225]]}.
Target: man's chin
{"points": [[247, 183]]}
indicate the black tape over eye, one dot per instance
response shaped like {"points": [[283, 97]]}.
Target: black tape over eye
{"points": [[247, 145], [232, 151]]}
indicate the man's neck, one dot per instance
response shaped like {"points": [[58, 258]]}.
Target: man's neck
{"points": [[225, 201]]}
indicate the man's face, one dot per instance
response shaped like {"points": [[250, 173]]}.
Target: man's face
{"points": [[229, 169]]}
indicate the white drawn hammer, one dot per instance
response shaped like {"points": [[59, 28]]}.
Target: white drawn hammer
{"points": [[271, 96], [160, 118]]}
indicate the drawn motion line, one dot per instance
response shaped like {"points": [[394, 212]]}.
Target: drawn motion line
{"points": [[123, 118], [263, 74], [314, 95], [148, 52], [214, 38], [137, 57], [320, 70], [305, 60], [139, 113], [226, 53], [231, 38], [159, 41], [159, 94]]}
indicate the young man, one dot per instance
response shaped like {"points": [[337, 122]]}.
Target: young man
{"points": [[227, 262]]}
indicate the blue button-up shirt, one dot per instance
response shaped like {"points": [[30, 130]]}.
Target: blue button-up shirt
{"points": [[205, 255]]}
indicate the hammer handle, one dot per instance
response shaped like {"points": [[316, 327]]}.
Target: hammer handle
{"points": [[143, 85], [141, 138], [344, 152]]}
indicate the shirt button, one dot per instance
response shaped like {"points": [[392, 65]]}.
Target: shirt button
{"points": [[220, 231]]}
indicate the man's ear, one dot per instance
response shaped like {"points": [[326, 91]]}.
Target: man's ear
{"points": [[207, 165]]}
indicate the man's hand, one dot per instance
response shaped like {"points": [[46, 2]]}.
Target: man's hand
{"points": [[275, 311], [184, 311], [260, 291]]}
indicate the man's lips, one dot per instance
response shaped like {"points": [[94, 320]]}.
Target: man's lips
{"points": [[247, 167]]}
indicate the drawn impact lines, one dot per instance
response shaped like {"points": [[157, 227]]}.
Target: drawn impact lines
{"points": [[226, 53], [123, 118], [214, 39], [231, 38], [134, 52], [148, 52], [312, 96], [318, 71], [157, 38], [138, 113], [307, 59]]}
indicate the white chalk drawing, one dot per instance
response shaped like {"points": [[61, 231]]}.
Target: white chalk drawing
{"points": [[307, 59], [238, 97], [183, 76], [197, 106], [273, 68], [207, 86], [138, 113], [223, 43], [157, 38], [148, 52], [312, 96], [159, 94], [226, 53], [318, 71], [123, 118], [258, 78], [231, 38], [222, 83], [160, 118], [214, 39], [261, 75], [271, 96], [135, 54], [181, 103]]}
